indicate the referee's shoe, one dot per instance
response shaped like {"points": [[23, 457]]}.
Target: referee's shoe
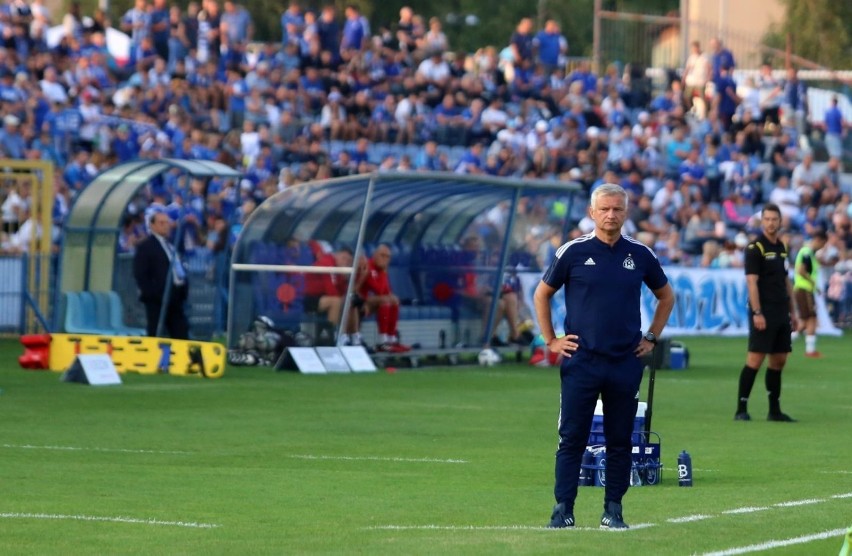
{"points": [[612, 518]]}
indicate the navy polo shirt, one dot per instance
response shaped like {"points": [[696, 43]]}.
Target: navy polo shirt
{"points": [[602, 289]]}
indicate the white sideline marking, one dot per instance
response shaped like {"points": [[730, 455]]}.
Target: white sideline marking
{"points": [[378, 458], [778, 544], [799, 503], [689, 518], [119, 519], [81, 449], [747, 510], [498, 528], [836, 472], [674, 520]]}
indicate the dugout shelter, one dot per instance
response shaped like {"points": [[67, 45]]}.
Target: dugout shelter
{"points": [[427, 219], [90, 261]]}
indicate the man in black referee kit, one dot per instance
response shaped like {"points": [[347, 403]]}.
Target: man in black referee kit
{"points": [[772, 317], [603, 273]]}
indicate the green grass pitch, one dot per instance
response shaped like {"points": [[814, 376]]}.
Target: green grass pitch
{"points": [[427, 461]]}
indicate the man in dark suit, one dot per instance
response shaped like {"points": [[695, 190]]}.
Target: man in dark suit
{"points": [[155, 266]]}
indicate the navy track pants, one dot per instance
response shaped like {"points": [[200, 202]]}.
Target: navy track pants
{"points": [[585, 376]]}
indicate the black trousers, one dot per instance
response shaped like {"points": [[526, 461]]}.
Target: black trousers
{"points": [[584, 377], [175, 324]]}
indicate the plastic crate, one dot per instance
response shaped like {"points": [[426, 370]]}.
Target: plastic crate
{"points": [[647, 468]]}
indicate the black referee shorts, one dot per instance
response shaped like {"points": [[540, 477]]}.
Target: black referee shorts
{"points": [[775, 338]]}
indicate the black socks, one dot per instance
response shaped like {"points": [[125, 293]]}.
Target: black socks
{"points": [[747, 377]]}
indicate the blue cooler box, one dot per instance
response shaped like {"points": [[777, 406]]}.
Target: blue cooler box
{"points": [[596, 435]]}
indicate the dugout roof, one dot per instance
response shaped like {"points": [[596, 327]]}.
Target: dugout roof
{"points": [[413, 212], [91, 235]]}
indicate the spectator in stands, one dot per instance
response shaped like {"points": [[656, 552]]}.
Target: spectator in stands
{"points": [[137, 23], [30, 230], [449, 121], [434, 40], [326, 293], [15, 205], [835, 129], [732, 254], [720, 57], [736, 210], [292, 23], [704, 225], [356, 32], [521, 42], [328, 32], [795, 100], [132, 233], [782, 156], [162, 280], [807, 179], [770, 95], [550, 46], [434, 70], [373, 286], [406, 42], [12, 143], [471, 161], [693, 178], [696, 75], [677, 150], [236, 26], [726, 100]]}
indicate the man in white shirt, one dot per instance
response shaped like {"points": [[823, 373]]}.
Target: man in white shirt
{"points": [[806, 178], [434, 69], [53, 90], [789, 201], [696, 74]]}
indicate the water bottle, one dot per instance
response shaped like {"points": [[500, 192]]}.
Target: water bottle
{"points": [[684, 469], [587, 469], [600, 468], [635, 478]]}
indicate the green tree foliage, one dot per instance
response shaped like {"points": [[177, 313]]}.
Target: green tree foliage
{"points": [[821, 31]]}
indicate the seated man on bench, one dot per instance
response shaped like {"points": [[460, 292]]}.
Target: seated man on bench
{"points": [[373, 286], [477, 290], [325, 293]]}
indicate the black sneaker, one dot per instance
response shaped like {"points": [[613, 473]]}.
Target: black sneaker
{"points": [[560, 518], [742, 416], [780, 417], [612, 518], [497, 342]]}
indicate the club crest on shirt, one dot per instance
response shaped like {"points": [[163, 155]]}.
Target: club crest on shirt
{"points": [[628, 263]]}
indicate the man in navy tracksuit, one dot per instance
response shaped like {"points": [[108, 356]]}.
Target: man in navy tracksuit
{"points": [[603, 273]]}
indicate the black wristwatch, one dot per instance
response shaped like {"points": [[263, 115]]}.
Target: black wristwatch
{"points": [[757, 313], [651, 337]]}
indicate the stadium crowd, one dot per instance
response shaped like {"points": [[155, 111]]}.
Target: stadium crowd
{"points": [[337, 96]]}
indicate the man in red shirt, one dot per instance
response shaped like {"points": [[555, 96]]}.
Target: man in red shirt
{"points": [[325, 293], [374, 288]]}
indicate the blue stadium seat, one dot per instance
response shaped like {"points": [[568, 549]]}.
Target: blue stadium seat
{"points": [[90, 305], [116, 319], [81, 315]]}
